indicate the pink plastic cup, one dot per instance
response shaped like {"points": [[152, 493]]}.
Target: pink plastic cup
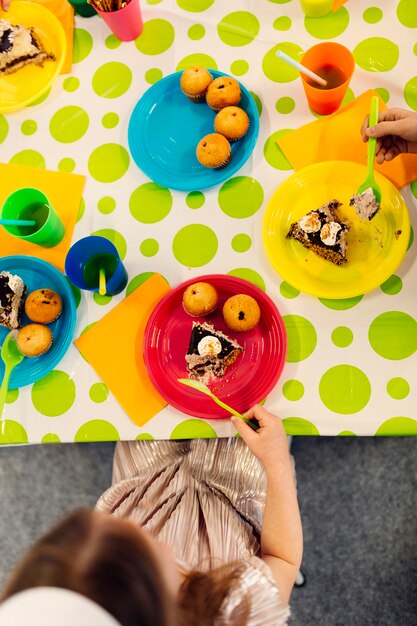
{"points": [[125, 23]]}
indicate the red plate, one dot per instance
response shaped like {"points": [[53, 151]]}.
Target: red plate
{"points": [[246, 382]]}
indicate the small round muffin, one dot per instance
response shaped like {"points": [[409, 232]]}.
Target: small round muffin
{"points": [[214, 151], [200, 299], [34, 339], [43, 306], [232, 123], [241, 312], [223, 91], [194, 82]]}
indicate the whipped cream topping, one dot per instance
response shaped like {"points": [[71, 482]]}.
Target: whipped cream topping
{"points": [[209, 346], [310, 223], [328, 233]]}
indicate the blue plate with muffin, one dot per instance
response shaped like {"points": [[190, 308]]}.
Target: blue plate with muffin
{"points": [[166, 126], [37, 274]]}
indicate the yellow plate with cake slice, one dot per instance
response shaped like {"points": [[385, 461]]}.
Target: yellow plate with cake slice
{"points": [[31, 81], [375, 250]]}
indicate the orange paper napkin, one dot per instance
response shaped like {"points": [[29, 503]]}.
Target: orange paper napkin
{"points": [[114, 345], [337, 137], [65, 14], [337, 4], [64, 192]]}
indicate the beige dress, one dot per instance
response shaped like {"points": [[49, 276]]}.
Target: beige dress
{"points": [[204, 498]]}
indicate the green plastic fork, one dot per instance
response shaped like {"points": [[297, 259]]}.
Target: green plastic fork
{"points": [[11, 357], [370, 178]]}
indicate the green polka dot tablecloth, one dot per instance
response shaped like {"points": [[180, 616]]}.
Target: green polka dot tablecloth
{"points": [[351, 364]]}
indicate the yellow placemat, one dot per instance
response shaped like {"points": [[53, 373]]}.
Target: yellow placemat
{"points": [[65, 13], [113, 347], [337, 137], [64, 192]]}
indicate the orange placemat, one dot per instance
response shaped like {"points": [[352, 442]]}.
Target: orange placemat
{"points": [[337, 137], [65, 13], [64, 192], [113, 347]]}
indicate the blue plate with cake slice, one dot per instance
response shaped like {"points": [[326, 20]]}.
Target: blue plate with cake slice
{"points": [[35, 274]]}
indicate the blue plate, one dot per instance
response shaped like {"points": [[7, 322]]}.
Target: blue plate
{"points": [[165, 128], [38, 274]]}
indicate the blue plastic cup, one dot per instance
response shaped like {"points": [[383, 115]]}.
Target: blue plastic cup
{"points": [[85, 259]]}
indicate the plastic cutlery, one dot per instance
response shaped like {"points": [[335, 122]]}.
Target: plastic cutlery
{"points": [[370, 179], [11, 357]]}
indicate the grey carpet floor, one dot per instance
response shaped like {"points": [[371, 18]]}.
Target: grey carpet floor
{"points": [[358, 500]]}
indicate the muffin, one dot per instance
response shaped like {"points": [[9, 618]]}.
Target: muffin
{"points": [[241, 312], [232, 123], [200, 299], [194, 82], [214, 151], [34, 339], [223, 91], [43, 306]]}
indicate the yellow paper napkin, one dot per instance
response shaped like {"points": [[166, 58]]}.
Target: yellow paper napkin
{"points": [[337, 137], [114, 346], [64, 192]]}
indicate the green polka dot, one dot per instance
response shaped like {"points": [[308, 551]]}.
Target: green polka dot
{"points": [[193, 429], [150, 203], [413, 188], [343, 304], [31, 158], [376, 54], [195, 245], [410, 93], [112, 42], [197, 59], [50, 438], [108, 162], [115, 237], [372, 15], [41, 98], [415, 49], [238, 28], [280, 1], [54, 394], [282, 23], [71, 83], [285, 105], [273, 153], [288, 291], [398, 426], [149, 247], [139, 280], [407, 13], [329, 26], [241, 197], [99, 392], [4, 128], [195, 6], [83, 44], [195, 199], [347, 433], [145, 437], [97, 430], [101, 300], [81, 209], [302, 338], [106, 205], [110, 120], [392, 286], [299, 426], [157, 36], [29, 127], [241, 242], [66, 165], [153, 75], [196, 32], [75, 291], [69, 124], [393, 335], [87, 328], [250, 275], [278, 70], [12, 395], [293, 390], [12, 432], [345, 389], [112, 80], [239, 68], [383, 93], [342, 336], [398, 388], [258, 102]]}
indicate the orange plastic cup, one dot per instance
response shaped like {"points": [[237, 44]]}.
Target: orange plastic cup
{"points": [[333, 62], [126, 23]]}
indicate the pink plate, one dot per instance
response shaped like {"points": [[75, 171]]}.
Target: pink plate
{"points": [[247, 381]]}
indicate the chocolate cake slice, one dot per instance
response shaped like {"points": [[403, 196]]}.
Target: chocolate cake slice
{"points": [[210, 352], [365, 204], [323, 233], [20, 46], [12, 294]]}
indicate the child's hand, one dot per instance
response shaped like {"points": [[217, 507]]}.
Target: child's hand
{"points": [[4, 4], [396, 133]]}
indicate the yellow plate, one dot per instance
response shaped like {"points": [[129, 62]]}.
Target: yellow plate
{"points": [[29, 83], [375, 248]]}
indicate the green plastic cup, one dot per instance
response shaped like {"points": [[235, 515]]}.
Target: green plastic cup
{"points": [[31, 204]]}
